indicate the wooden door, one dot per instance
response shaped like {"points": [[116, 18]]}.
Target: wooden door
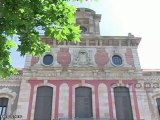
{"points": [[123, 103], [43, 107], [83, 102]]}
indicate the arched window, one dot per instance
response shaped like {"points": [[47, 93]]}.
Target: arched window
{"points": [[158, 104], [3, 106], [43, 107], [123, 103], [83, 102]]}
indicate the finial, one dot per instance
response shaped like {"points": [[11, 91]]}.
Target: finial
{"points": [[130, 35]]}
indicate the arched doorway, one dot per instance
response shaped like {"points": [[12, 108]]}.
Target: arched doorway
{"points": [[123, 103], [43, 107], [83, 102]]}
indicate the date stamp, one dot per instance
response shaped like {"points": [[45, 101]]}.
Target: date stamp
{"points": [[10, 116]]}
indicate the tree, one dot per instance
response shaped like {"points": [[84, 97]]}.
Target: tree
{"points": [[21, 17]]}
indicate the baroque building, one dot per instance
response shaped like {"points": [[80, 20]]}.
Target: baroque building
{"points": [[99, 78]]}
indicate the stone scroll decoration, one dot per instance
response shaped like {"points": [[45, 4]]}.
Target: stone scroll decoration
{"points": [[64, 57], [101, 57], [82, 58]]}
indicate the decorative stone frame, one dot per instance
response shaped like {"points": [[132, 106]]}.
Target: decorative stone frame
{"points": [[47, 53], [77, 55], [156, 113], [93, 98], [131, 98], [35, 94], [118, 54], [7, 93]]}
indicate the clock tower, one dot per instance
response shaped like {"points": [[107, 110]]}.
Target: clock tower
{"points": [[88, 21]]}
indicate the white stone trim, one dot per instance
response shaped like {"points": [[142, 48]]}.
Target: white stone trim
{"points": [[93, 98], [131, 98], [34, 99], [103, 101], [121, 56], [47, 53], [63, 100], [113, 102], [132, 101], [156, 113], [7, 93]]}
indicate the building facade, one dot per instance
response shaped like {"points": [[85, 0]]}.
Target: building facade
{"points": [[99, 78]]}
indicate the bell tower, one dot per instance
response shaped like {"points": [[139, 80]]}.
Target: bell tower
{"points": [[88, 21]]}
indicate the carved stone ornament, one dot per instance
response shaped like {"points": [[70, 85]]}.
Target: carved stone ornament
{"points": [[64, 57], [82, 58], [101, 57]]}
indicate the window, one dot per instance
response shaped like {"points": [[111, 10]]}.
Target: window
{"points": [[83, 102], [43, 107], [48, 59], [116, 60], [3, 106], [83, 29], [158, 105], [123, 103]]}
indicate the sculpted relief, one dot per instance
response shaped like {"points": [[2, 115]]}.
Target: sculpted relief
{"points": [[82, 58]]}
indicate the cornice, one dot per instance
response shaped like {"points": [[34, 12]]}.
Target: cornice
{"points": [[102, 40], [81, 73], [10, 83]]}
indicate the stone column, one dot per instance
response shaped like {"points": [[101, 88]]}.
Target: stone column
{"points": [[110, 101]]}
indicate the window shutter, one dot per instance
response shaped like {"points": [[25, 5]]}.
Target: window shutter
{"points": [[123, 103], [43, 107], [83, 102]]}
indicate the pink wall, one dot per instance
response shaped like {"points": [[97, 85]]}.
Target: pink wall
{"points": [[71, 83]]}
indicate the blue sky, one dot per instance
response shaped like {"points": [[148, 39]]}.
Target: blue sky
{"points": [[119, 17]]}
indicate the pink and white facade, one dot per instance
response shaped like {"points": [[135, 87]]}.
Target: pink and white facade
{"points": [[90, 72]]}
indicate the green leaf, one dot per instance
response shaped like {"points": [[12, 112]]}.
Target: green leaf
{"points": [[20, 17], [10, 44], [21, 10]]}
